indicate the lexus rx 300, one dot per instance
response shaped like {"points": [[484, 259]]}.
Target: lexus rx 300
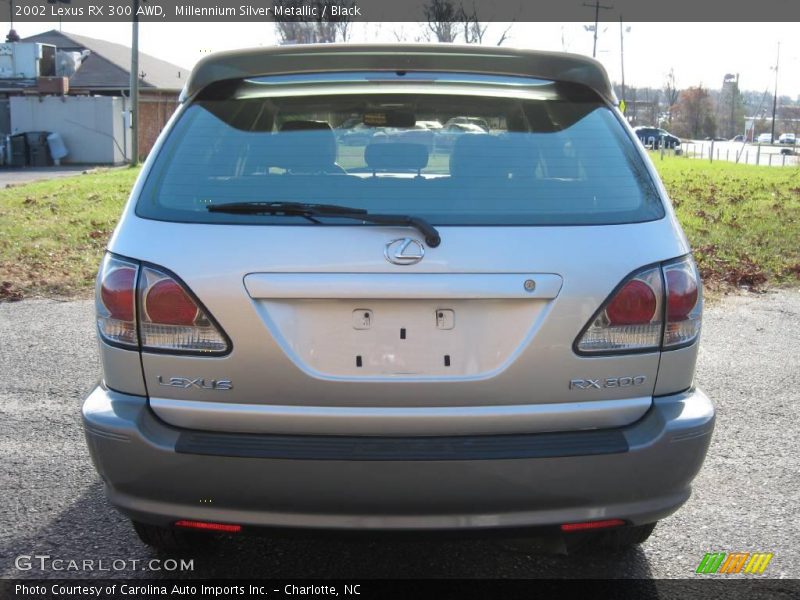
{"points": [[495, 333]]}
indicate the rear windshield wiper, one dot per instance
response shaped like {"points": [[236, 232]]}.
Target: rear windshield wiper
{"points": [[312, 211]]}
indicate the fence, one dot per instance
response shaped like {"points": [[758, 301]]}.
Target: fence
{"points": [[767, 155]]}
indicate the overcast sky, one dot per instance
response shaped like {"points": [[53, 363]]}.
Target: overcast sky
{"points": [[699, 52]]}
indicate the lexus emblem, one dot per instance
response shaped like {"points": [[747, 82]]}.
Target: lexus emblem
{"points": [[404, 251]]}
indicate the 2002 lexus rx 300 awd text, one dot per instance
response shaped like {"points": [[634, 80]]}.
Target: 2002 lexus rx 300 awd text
{"points": [[484, 331]]}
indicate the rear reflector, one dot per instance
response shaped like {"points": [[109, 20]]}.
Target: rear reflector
{"points": [[592, 525], [205, 525]]}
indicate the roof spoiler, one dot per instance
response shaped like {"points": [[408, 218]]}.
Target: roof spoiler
{"points": [[331, 58]]}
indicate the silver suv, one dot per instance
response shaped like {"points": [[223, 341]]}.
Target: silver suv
{"points": [[494, 333]]}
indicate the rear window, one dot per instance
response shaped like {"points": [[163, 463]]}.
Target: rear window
{"points": [[553, 157]]}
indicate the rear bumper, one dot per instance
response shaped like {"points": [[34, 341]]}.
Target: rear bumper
{"points": [[157, 473]]}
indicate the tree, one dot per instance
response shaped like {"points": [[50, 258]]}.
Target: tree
{"points": [[298, 30], [671, 92], [474, 30], [790, 118], [693, 114], [446, 20]]}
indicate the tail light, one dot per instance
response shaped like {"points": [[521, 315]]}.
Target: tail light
{"points": [[656, 308], [115, 301], [145, 307], [684, 303], [171, 320], [631, 320]]}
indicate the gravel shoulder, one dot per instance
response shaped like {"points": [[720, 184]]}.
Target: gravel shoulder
{"points": [[745, 498]]}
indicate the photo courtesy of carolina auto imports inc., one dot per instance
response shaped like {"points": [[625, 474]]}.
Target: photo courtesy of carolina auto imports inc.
{"points": [[458, 300]]}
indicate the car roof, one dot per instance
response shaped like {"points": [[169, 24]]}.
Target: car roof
{"points": [[329, 58]]}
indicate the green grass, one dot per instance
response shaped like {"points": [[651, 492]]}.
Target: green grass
{"points": [[53, 233], [743, 223]]}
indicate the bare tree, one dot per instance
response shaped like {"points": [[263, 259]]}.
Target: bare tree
{"points": [[403, 35], [474, 30], [321, 30], [504, 36], [444, 19], [671, 91]]}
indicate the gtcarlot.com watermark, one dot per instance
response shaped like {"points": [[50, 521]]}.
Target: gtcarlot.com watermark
{"points": [[45, 562]]}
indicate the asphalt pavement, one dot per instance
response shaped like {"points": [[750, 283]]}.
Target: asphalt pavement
{"points": [[10, 176], [745, 499]]}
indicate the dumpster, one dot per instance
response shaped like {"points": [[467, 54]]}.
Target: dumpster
{"points": [[18, 150], [38, 150]]}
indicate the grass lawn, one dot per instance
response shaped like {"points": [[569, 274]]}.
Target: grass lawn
{"points": [[743, 223], [53, 233]]}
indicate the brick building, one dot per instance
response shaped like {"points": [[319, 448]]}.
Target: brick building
{"points": [[105, 71]]}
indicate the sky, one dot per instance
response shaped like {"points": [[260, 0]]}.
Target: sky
{"points": [[698, 52]]}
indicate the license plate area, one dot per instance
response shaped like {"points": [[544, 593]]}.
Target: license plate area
{"points": [[402, 339]]}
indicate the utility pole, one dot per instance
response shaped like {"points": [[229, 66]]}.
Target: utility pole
{"points": [[734, 94], [596, 6], [622, 57], [134, 91], [775, 97]]}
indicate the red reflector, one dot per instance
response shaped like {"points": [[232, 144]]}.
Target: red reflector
{"points": [[116, 292], [209, 526], [168, 304], [681, 294], [592, 525], [634, 304]]}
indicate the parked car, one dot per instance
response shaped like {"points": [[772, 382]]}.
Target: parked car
{"points": [[470, 121], [432, 125], [449, 135], [357, 134], [787, 138], [764, 138], [654, 137], [423, 132], [737, 138], [506, 341]]}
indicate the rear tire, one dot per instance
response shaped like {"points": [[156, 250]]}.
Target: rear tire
{"points": [[620, 538], [168, 539]]}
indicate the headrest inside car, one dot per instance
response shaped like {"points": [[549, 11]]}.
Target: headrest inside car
{"points": [[306, 147], [390, 156], [478, 155]]}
